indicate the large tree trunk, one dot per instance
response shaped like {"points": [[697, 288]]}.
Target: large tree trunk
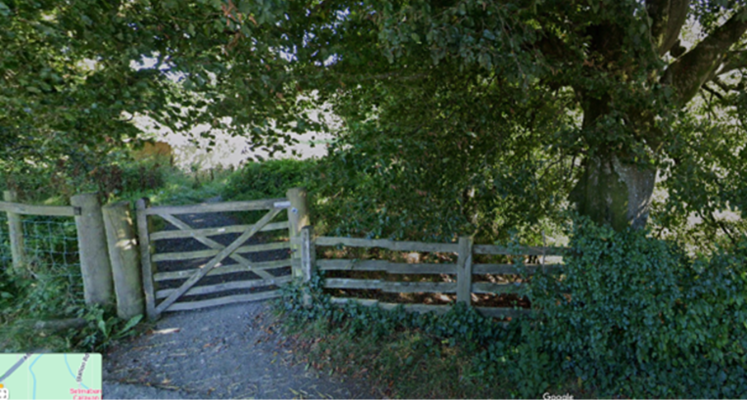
{"points": [[614, 193], [612, 190]]}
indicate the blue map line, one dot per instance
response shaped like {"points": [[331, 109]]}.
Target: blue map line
{"points": [[68, 367], [34, 376], [71, 372]]}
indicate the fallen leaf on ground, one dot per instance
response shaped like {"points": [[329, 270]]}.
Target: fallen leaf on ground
{"points": [[166, 331]]}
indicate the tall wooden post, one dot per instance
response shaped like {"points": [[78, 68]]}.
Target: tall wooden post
{"points": [[464, 270], [308, 260], [148, 268], [124, 256], [298, 217], [94, 257], [308, 252], [15, 230]]}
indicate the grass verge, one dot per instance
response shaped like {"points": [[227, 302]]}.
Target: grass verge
{"points": [[403, 364]]}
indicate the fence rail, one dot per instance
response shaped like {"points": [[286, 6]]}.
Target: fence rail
{"points": [[28, 209], [464, 270], [386, 244]]}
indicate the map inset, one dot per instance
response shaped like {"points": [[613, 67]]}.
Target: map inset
{"points": [[50, 376]]}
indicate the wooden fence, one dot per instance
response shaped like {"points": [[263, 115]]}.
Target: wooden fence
{"points": [[92, 247], [118, 260], [464, 270]]}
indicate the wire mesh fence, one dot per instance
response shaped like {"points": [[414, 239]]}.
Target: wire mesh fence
{"points": [[51, 255]]}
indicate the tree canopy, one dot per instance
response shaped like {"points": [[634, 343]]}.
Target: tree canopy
{"points": [[489, 114]]}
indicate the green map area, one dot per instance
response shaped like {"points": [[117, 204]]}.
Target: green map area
{"points": [[50, 376]]}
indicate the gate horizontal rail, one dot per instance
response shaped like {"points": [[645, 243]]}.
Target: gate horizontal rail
{"points": [[228, 206], [191, 255], [180, 234]]}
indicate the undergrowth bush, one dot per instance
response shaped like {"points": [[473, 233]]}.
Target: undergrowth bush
{"points": [[412, 354], [269, 179], [626, 316], [46, 297], [112, 174], [636, 316]]}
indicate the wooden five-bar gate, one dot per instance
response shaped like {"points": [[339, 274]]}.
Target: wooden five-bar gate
{"points": [[223, 271]]}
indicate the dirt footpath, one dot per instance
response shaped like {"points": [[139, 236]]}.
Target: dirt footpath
{"points": [[231, 351]]}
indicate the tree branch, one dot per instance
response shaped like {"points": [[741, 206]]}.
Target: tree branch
{"points": [[713, 92], [689, 72], [726, 88], [733, 60], [723, 227], [668, 16]]}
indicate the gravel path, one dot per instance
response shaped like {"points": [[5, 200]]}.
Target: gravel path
{"points": [[230, 351]]}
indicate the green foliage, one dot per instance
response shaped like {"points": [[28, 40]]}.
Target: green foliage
{"points": [[40, 292], [460, 325], [44, 297], [111, 174], [272, 179], [78, 73], [634, 315], [407, 355], [101, 330], [482, 112], [703, 178], [403, 364], [294, 296], [479, 112], [627, 315], [269, 179], [104, 329]]}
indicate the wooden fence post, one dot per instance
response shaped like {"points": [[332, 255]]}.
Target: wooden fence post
{"points": [[94, 258], [148, 269], [15, 231], [308, 252], [308, 259], [298, 217], [124, 259], [464, 270]]}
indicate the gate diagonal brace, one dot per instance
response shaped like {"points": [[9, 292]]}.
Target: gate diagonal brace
{"points": [[215, 245], [202, 271]]}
